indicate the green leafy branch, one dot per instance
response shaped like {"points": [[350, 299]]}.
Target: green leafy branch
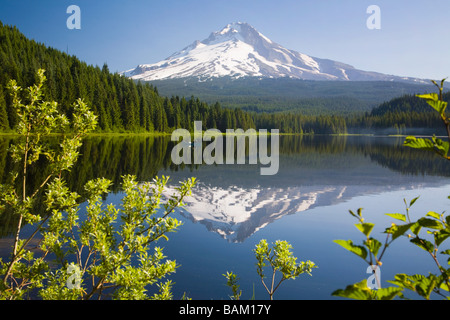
{"points": [[280, 259], [370, 252], [36, 119], [107, 254], [436, 224], [435, 100]]}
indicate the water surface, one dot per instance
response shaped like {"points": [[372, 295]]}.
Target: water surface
{"points": [[306, 203]]}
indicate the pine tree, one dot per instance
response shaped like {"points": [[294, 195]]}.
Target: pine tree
{"points": [[4, 123]]}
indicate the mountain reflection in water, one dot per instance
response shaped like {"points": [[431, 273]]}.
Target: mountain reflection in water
{"points": [[235, 200]]}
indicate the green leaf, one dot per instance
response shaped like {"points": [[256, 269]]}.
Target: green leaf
{"points": [[429, 96], [441, 146], [433, 100], [430, 223], [388, 293], [433, 144], [415, 228], [348, 244], [441, 236], [433, 214], [397, 216], [442, 84], [422, 285], [402, 281], [358, 291], [358, 215], [419, 143], [413, 201], [444, 286], [374, 245], [423, 244], [398, 230], [425, 285], [365, 228], [419, 283]]}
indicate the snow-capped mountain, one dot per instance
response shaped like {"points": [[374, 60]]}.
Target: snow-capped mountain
{"points": [[239, 50], [235, 212]]}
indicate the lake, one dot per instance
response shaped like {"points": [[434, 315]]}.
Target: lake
{"points": [[233, 207]]}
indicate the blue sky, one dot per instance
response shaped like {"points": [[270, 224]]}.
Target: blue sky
{"points": [[413, 39]]}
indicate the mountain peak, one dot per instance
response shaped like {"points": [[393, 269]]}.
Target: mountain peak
{"points": [[235, 27], [240, 31], [239, 50]]}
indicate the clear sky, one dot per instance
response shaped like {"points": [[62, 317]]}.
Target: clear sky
{"points": [[413, 39]]}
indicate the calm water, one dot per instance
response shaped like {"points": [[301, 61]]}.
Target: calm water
{"points": [[306, 203]]}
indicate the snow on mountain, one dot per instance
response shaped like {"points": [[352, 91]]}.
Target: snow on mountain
{"points": [[235, 213], [239, 50]]}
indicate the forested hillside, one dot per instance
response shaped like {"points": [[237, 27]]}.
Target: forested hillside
{"points": [[120, 103], [400, 113], [407, 103], [292, 95]]}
